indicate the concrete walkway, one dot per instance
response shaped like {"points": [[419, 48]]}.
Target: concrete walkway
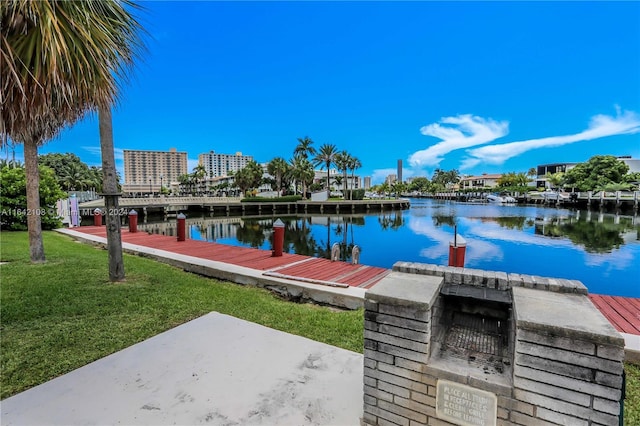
{"points": [[215, 370]]}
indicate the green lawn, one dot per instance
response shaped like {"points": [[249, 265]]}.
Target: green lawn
{"points": [[63, 314]]}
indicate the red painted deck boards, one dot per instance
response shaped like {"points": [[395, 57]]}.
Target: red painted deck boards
{"points": [[292, 265], [622, 312]]}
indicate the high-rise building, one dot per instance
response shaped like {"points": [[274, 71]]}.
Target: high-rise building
{"points": [[391, 179], [145, 171], [400, 171], [367, 182], [219, 165]]}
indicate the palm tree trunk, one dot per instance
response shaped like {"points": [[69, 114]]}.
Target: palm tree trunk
{"points": [[110, 188], [34, 224], [328, 187], [344, 196]]}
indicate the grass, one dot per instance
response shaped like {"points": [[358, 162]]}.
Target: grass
{"points": [[632, 399], [63, 314]]}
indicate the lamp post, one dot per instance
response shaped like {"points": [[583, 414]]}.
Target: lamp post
{"points": [[150, 188]]}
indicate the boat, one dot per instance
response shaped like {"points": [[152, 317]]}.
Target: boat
{"points": [[494, 198], [499, 199]]}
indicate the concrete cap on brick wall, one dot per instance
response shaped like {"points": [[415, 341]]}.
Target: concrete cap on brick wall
{"points": [[399, 288], [567, 315]]}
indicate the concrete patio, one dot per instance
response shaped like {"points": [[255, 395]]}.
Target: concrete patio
{"points": [[215, 370]]}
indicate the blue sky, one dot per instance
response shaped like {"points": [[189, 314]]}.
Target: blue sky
{"points": [[479, 87]]}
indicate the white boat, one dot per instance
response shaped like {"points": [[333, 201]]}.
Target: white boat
{"points": [[498, 199], [493, 198]]}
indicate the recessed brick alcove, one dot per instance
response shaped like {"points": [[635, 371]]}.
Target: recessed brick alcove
{"points": [[456, 346]]}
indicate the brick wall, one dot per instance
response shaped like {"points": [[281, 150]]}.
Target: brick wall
{"points": [[567, 366]]}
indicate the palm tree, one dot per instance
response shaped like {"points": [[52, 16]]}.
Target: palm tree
{"points": [[185, 183], [384, 188], [302, 171], [354, 163], [556, 180], [342, 163], [324, 158], [75, 177], [199, 172], [59, 61], [304, 148], [278, 167]]}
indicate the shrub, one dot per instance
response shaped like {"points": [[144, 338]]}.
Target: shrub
{"points": [[13, 198], [355, 194]]}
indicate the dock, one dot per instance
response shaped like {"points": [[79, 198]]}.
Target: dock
{"points": [[226, 206], [301, 278]]}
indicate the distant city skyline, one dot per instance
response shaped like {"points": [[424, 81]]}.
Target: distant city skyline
{"points": [[479, 87]]}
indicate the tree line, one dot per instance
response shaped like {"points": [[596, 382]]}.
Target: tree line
{"points": [[599, 173]]}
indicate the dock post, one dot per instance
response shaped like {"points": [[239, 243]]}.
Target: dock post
{"points": [[97, 217], [355, 255], [278, 238], [335, 252], [133, 221], [182, 224]]}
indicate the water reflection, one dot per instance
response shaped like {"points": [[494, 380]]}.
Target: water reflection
{"points": [[601, 250]]}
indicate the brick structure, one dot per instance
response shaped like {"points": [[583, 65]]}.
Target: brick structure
{"points": [[562, 364]]}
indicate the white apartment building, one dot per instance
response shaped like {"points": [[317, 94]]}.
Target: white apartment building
{"points": [[320, 176], [219, 165]]}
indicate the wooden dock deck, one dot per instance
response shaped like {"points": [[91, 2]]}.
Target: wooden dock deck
{"points": [[622, 312], [291, 266]]}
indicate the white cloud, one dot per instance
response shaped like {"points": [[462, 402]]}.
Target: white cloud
{"points": [[476, 249], [600, 126], [464, 131], [95, 150]]}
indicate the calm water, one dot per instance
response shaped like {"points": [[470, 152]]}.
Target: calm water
{"points": [[601, 250]]}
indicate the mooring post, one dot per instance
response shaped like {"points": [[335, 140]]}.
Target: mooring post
{"points": [[278, 238], [182, 224], [97, 217], [133, 221]]}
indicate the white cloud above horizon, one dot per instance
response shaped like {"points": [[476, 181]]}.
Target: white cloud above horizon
{"points": [[600, 126], [467, 131], [96, 150], [459, 132]]}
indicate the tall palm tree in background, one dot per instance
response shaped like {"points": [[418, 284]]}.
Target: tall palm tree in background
{"points": [[354, 163], [302, 171], [277, 168], [304, 148], [58, 61], [325, 157], [342, 164], [199, 173]]}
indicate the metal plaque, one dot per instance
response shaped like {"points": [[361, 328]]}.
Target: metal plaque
{"points": [[464, 405]]}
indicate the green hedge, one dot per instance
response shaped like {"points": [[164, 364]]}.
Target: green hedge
{"points": [[286, 199], [355, 194]]}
